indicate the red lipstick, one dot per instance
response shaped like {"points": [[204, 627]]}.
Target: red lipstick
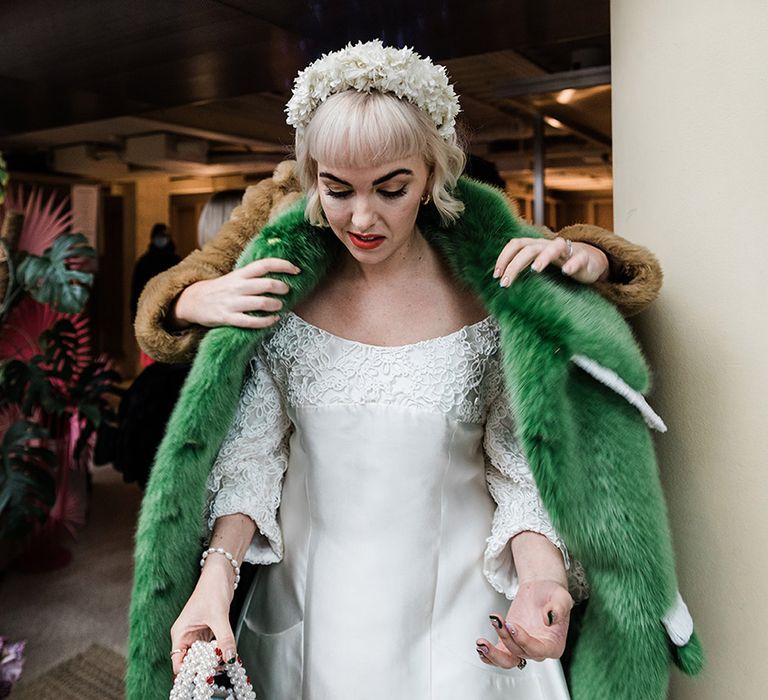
{"points": [[365, 242]]}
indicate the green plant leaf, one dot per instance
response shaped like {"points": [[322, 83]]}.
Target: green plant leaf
{"points": [[14, 377], [94, 381], [28, 385], [61, 345], [27, 483], [50, 280], [41, 390], [89, 392]]}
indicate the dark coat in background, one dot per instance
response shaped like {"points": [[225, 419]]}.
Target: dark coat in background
{"points": [[143, 416], [153, 262]]}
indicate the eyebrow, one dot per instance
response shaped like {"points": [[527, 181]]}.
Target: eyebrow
{"points": [[377, 181]]}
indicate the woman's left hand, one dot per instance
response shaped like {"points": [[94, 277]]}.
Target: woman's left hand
{"points": [[535, 628], [581, 261]]}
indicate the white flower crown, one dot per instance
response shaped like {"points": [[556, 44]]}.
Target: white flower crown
{"points": [[372, 66]]}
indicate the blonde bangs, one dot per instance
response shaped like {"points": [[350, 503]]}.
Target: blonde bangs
{"points": [[359, 130]]}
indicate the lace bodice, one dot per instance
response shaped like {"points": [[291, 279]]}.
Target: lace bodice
{"points": [[449, 374], [301, 365]]}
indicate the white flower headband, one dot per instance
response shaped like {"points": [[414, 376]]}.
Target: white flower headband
{"points": [[372, 66]]}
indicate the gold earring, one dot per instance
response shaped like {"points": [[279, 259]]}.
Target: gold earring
{"points": [[426, 199]]}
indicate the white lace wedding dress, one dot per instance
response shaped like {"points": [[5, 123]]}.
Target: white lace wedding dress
{"points": [[386, 484]]}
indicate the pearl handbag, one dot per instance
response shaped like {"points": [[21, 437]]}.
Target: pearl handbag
{"points": [[196, 679]]}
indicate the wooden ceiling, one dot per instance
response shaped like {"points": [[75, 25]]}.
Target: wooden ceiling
{"points": [[99, 71]]}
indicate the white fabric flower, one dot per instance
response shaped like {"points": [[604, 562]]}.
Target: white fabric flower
{"points": [[372, 66]]}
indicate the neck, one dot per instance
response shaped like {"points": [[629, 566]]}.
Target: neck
{"points": [[407, 261]]}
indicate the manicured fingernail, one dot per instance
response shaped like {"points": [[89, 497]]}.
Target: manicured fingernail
{"points": [[535, 267], [495, 621], [496, 273], [504, 282], [564, 271], [230, 655], [510, 629], [482, 649]]}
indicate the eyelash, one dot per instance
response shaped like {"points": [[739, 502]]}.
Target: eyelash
{"points": [[384, 193]]}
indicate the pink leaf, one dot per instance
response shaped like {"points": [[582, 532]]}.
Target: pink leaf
{"points": [[44, 219], [28, 320]]}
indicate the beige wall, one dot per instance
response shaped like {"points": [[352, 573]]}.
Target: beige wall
{"points": [[151, 208], [690, 134]]}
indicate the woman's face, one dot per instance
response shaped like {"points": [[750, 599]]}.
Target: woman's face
{"points": [[373, 210]]}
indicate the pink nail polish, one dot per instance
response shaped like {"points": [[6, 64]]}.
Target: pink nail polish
{"points": [[510, 629]]}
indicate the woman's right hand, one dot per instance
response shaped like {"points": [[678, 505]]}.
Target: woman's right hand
{"points": [[226, 300], [206, 614]]}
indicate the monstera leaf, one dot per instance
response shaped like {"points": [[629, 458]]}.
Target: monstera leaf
{"points": [[89, 391], [27, 484], [50, 379], [49, 278], [66, 349], [30, 385]]}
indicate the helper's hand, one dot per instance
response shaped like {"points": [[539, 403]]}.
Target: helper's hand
{"points": [[225, 301], [206, 614], [581, 261], [535, 627]]}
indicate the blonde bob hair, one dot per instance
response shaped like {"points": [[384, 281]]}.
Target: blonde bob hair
{"points": [[216, 213], [362, 129]]}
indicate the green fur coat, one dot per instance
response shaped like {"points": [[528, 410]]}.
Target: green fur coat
{"points": [[575, 379]]}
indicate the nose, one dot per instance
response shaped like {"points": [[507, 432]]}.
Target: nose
{"points": [[363, 215]]}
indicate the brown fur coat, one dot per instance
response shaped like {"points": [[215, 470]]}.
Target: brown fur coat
{"points": [[635, 273]]}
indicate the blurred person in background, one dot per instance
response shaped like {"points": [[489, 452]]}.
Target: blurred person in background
{"points": [[148, 403], [160, 255], [216, 213]]}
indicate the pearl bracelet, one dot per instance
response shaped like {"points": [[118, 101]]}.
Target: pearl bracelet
{"points": [[230, 559]]}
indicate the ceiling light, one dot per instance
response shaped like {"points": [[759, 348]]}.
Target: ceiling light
{"points": [[565, 96], [554, 122]]}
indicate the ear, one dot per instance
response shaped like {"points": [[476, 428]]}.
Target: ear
{"points": [[430, 181]]}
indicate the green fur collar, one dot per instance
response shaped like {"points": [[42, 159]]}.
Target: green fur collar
{"points": [[588, 446]]}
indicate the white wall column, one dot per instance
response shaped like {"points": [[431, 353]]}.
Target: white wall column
{"points": [[690, 135]]}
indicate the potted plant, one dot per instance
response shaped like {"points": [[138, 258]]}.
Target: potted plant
{"points": [[52, 388]]}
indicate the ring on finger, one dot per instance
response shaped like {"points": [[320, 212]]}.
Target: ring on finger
{"points": [[522, 664], [568, 248], [177, 651]]}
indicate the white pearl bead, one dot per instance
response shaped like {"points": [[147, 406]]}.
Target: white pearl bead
{"points": [[199, 664]]}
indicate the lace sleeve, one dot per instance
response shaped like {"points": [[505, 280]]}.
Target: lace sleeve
{"points": [[518, 503], [247, 475]]}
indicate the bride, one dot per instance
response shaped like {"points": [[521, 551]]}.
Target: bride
{"points": [[391, 430]]}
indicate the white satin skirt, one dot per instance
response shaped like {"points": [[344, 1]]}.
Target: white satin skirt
{"points": [[381, 594]]}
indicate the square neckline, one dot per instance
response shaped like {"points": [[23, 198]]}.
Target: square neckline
{"points": [[419, 343]]}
